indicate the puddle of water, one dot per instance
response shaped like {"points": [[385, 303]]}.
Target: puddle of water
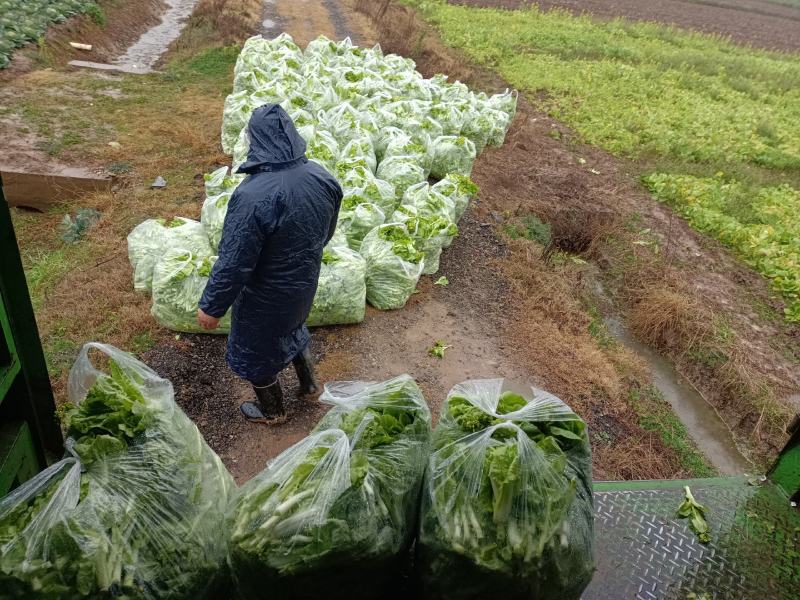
{"points": [[153, 43], [706, 428], [268, 24]]}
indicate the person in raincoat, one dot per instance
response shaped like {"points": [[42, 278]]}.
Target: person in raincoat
{"points": [[278, 221]]}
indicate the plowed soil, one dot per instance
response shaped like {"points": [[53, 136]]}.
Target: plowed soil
{"points": [[755, 22]]}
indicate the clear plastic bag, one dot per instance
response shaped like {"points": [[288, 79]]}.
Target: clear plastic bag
{"points": [[342, 290], [219, 189], [402, 172], [324, 149], [431, 233], [507, 500], [369, 189], [461, 190], [428, 201], [357, 220], [137, 511], [334, 515], [452, 154], [179, 279], [148, 240], [394, 266]]}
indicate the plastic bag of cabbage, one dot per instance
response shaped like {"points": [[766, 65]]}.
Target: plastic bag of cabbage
{"points": [[507, 501], [335, 514], [394, 265], [342, 290], [431, 233], [179, 279], [219, 189], [137, 508], [148, 241]]}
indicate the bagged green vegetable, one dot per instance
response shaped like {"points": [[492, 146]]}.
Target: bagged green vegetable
{"points": [[219, 189], [460, 189], [428, 201], [137, 508], [179, 279], [507, 500], [452, 154], [371, 190], [342, 290], [148, 240], [394, 266], [431, 233], [357, 220], [402, 172], [334, 515]]}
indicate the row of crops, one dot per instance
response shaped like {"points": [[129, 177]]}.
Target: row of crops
{"points": [[24, 21], [760, 225], [496, 497], [383, 130]]}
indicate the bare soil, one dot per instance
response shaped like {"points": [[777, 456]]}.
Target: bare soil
{"points": [[755, 22]]}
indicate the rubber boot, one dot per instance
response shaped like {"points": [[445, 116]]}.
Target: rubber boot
{"points": [[304, 367], [268, 407]]}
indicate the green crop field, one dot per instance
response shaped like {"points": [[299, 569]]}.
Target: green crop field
{"points": [[678, 102], [23, 21]]}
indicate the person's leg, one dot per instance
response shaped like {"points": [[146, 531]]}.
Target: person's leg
{"points": [[304, 367], [268, 406]]}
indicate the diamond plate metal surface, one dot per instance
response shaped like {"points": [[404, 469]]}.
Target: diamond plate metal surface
{"points": [[644, 552]]}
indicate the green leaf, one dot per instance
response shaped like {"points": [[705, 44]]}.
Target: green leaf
{"points": [[442, 281]]}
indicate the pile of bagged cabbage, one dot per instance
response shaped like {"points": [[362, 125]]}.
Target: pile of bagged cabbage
{"points": [[382, 130], [371, 504]]}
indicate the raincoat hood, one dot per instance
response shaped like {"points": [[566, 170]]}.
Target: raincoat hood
{"points": [[275, 143]]}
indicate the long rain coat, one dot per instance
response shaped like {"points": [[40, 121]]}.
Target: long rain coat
{"points": [[278, 221]]}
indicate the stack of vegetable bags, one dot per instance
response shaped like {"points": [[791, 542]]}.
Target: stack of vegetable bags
{"points": [[137, 509], [507, 502], [378, 126], [334, 515]]}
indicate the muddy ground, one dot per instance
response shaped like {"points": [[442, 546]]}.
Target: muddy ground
{"points": [[756, 22]]}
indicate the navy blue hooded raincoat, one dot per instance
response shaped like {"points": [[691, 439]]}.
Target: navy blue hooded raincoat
{"points": [[278, 221]]}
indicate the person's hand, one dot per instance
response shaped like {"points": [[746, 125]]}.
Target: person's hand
{"points": [[207, 322]]}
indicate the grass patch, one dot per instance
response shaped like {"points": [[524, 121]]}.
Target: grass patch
{"points": [[657, 416]]}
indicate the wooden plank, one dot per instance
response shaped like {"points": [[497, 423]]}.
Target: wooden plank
{"points": [[87, 64], [42, 190]]}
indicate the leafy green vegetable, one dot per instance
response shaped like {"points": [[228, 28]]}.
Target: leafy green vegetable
{"points": [[342, 289], [438, 349], [179, 278], [335, 514], [696, 513], [394, 265], [136, 512], [507, 502], [442, 281]]}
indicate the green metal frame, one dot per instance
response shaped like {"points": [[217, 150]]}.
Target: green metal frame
{"points": [[786, 470], [30, 436], [18, 461], [10, 367]]}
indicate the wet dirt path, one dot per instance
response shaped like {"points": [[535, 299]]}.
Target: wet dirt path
{"points": [[144, 54]]}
